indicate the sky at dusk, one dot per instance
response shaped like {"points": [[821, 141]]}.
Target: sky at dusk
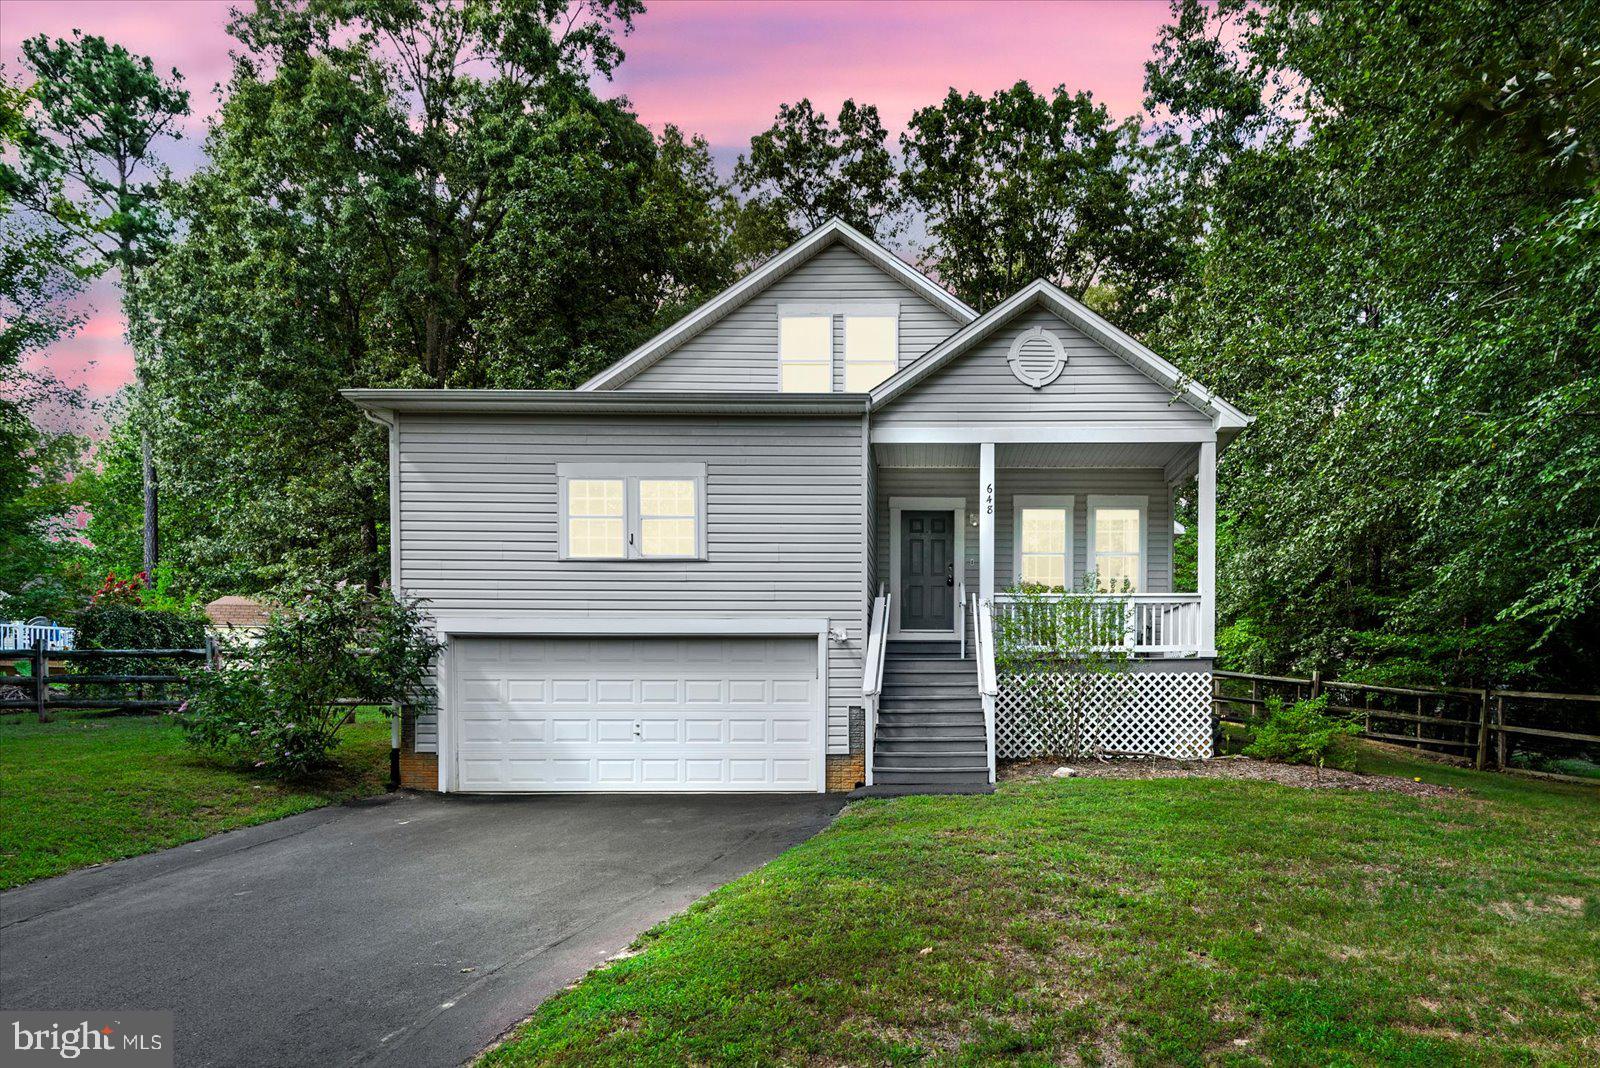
{"points": [[716, 68]]}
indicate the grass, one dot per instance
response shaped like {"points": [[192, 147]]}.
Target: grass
{"points": [[87, 789], [1167, 921]]}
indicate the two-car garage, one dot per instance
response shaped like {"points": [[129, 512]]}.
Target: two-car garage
{"points": [[646, 713]]}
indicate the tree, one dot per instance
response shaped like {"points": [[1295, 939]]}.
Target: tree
{"points": [[1399, 283], [803, 171], [420, 195], [38, 277], [88, 166], [1019, 186]]}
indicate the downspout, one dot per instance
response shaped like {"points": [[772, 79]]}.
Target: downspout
{"points": [[392, 424]]}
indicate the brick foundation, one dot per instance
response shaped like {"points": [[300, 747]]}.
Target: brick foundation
{"points": [[845, 773], [418, 771]]}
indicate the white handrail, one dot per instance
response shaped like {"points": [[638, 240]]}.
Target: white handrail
{"points": [[983, 648], [872, 672]]}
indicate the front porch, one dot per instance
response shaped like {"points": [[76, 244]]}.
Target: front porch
{"points": [[1054, 540]]}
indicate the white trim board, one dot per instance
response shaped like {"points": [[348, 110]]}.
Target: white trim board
{"points": [[1129, 434], [957, 505], [834, 231]]}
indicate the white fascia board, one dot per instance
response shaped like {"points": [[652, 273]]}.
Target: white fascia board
{"points": [[566, 401], [1132, 434], [753, 283], [468, 623]]}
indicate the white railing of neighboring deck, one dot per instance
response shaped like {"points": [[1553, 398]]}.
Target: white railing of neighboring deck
{"points": [[20, 635]]}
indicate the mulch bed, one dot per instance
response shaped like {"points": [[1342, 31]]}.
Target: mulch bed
{"points": [[1222, 768]]}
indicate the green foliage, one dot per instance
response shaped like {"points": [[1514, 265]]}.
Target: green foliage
{"points": [[1396, 276], [1305, 732], [413, 195], [277, 701], [807, 171], [127, 613]]}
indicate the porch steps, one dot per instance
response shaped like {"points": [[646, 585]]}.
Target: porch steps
{"points": [[930, 733]]}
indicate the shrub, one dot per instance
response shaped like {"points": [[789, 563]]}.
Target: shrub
{"points": [[277, 702], [125, 614], [1305, 732]]}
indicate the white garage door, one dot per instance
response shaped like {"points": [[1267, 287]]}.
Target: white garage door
{"points": [[604, 713]]}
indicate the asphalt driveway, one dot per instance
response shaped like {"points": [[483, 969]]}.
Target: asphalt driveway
{"points": [[410, 931]]}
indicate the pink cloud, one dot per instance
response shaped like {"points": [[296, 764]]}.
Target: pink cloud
{"points": [[715, 67]]}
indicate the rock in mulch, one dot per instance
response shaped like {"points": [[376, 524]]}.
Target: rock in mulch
{"points": [[1220, 768]]}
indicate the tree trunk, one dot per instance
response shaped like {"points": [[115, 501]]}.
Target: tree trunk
{"points": [[152, 546]]}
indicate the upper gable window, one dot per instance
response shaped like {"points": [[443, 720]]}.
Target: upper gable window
{"points": [[805, 345], [805, 352], [871, 349]]}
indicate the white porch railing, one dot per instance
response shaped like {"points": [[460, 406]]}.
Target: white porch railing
{"points": [[872, 672], [988, 684], [1148, 624], [20, 635]]}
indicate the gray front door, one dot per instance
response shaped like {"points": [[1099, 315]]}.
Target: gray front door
{"points": [[927, 570]]}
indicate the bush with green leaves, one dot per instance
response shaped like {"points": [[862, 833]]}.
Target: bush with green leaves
{"points": [[279, 702], [129, 614], [1305, 732]]}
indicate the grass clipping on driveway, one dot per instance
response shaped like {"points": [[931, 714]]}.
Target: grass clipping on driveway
{"points": [[1111, 921], [87, 789]]}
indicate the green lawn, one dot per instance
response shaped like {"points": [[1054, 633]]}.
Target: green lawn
{"points": [[88, 789], [1175, 921]]}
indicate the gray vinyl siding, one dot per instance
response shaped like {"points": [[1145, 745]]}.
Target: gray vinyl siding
{"points": [[1077, 482], [740, 350], [1097, 388], [785, 504]]}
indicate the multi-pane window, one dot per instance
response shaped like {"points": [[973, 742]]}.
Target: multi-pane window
{"points": [[667, 522], [1044, 541], [871, 347], [596, 518], [1116, 543], [632, 512], [805, 353]]}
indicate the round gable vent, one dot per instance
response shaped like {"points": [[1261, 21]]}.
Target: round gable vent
{"points": [[1037, 357]]}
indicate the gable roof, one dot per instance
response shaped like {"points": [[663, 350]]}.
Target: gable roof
{"points": [[833, 232], [1050, 296]]}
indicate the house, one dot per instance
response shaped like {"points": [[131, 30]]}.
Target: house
{"points": [[765, 550], [234, 616]]}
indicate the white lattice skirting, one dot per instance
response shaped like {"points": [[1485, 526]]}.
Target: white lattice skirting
{"points": [[1070, 714]]}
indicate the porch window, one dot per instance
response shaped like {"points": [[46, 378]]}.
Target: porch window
{"points": [[1116, 542], [871, 348], [1044, 541], [805, 353], [631, 511]]}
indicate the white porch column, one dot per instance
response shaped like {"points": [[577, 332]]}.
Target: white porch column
{"points": [[986, 521], [1207, 563]]}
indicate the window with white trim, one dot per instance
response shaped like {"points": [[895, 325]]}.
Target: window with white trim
{"points": [[1117, 527], [871, 349], [631, 511], [1043, 537], [805, 352]]}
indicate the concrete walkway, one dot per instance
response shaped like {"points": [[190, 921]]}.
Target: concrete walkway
{"points": [[408, 931]]}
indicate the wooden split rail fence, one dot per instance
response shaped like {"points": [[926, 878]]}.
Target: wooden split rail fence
{"points": [[1483, 726], [43, 701]]}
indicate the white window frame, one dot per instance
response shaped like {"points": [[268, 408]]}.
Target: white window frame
{"points": [[1059, 502], [805, 311], [630, 475], [838, 310], [887, 310], [1142, 504]]}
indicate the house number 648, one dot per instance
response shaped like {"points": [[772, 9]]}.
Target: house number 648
{"points": [[988, 499]]}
